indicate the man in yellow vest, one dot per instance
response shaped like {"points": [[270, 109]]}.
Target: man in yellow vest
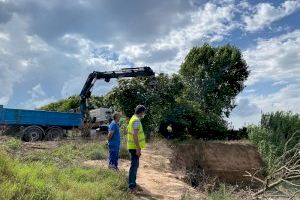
{"points": [[135, 142]]}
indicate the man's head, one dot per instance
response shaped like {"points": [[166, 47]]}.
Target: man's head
{"points": [[140, 111], [117, 116]]}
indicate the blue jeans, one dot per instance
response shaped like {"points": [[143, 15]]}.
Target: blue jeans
{"points": [[113, 158], [133, 168]]}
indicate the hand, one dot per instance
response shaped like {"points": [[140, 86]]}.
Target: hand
{"points": [[138, 152]]}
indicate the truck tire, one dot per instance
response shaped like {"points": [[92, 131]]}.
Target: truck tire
{"points": [[32, 133], [54, 133]]}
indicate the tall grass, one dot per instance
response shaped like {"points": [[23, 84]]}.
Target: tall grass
{"points": [[45, 180], [273, 133], [67, 154]]}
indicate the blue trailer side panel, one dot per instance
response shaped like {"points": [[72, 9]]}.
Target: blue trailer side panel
{"points": [[37, 117]]}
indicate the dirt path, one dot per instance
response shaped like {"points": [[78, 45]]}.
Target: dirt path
{"points": [[155, 178]]}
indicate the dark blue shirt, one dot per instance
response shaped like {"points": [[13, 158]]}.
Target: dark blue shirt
{"points": [[114, 142]]}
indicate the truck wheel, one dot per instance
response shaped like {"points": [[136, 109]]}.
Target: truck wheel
{"points": [[54, 133], [32, 133]]}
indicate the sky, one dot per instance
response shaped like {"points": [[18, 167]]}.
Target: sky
{"points": [[48, 48]]}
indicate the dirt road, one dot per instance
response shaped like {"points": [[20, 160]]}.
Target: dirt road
{"points": [[155, 179]]}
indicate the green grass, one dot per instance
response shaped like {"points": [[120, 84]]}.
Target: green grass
{"points": [[67, 154], [57, 174], [12, 144], [45, 181]]}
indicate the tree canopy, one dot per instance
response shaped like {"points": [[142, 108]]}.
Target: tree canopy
{"points": [[213, 77]]}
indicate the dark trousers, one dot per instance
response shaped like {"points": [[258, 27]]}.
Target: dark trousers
{"points": [[113, 158], [133, 168]]}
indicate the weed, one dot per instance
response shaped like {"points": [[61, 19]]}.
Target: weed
{"points": [[42, 180]]}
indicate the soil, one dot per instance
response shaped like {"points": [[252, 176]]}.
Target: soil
{"points": [[226, 161], [155, 178]]}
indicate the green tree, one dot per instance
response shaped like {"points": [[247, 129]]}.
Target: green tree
{"points": [[72, 104], [158, 97], [213, 76]]}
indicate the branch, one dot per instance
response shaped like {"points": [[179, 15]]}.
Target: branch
{"points": [[252, 176], [268, 187], [293, 184], [289, 140], [294, 195]]}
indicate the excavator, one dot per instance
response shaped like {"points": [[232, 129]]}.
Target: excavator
{"points": [[85, 93]]}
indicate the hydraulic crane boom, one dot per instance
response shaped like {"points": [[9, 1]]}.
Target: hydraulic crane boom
{"points": [[107, 75]]}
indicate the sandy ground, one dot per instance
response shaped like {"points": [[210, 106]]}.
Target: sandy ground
{"points": [[155, 179]]}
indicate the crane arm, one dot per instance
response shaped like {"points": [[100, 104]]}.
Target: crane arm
{"points": [[107, 75]]}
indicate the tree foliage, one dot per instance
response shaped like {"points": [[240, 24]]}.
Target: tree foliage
{"points": [[72, 103], [158, 98], [213, 77]]}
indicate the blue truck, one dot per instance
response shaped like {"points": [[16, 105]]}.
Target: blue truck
{"points": [[33, 125]]}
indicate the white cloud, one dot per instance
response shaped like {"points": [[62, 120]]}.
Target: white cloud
{"points": [[286, 99], [3, 100], [38, 98], [275, 59], [249, 109], [208, 23], [4, 36], [37, 91], [280, 83], [266, 13]]}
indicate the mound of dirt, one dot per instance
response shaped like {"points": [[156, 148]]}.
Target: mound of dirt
{"points": [[227, 161]]}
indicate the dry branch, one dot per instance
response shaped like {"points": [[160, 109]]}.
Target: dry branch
{"points": [[286, 170]]}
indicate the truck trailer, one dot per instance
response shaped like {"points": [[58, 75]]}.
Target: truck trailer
{"points": [[34, 125]]}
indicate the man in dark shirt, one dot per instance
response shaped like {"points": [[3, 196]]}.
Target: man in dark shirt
{"points": [[114, 140]]}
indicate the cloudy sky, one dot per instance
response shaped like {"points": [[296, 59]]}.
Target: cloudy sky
{"points": [[47, 48]]}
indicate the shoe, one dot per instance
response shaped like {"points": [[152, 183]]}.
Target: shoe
{"points": [[133, 190]]}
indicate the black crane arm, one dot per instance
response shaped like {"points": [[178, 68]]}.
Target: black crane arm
{"points": [[107, 75]]}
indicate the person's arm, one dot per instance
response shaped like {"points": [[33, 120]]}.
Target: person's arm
{"points": [[111, 133], [136, 138]]}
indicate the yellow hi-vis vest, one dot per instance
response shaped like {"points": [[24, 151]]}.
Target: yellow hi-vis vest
{"points": [[141, 135]]}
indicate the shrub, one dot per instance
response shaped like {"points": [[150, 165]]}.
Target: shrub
{"points": [[186, 120], [272, 135]]}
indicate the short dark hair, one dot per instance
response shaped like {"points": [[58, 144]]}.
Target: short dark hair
{"points": [[139, 109], [115, 115]]}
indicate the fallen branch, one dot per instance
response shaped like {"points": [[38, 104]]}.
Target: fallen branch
{"points": [[285, 170], [294, 195]]}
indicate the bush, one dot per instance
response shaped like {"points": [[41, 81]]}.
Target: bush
{"points": [[272, 135], [187, 120]]}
